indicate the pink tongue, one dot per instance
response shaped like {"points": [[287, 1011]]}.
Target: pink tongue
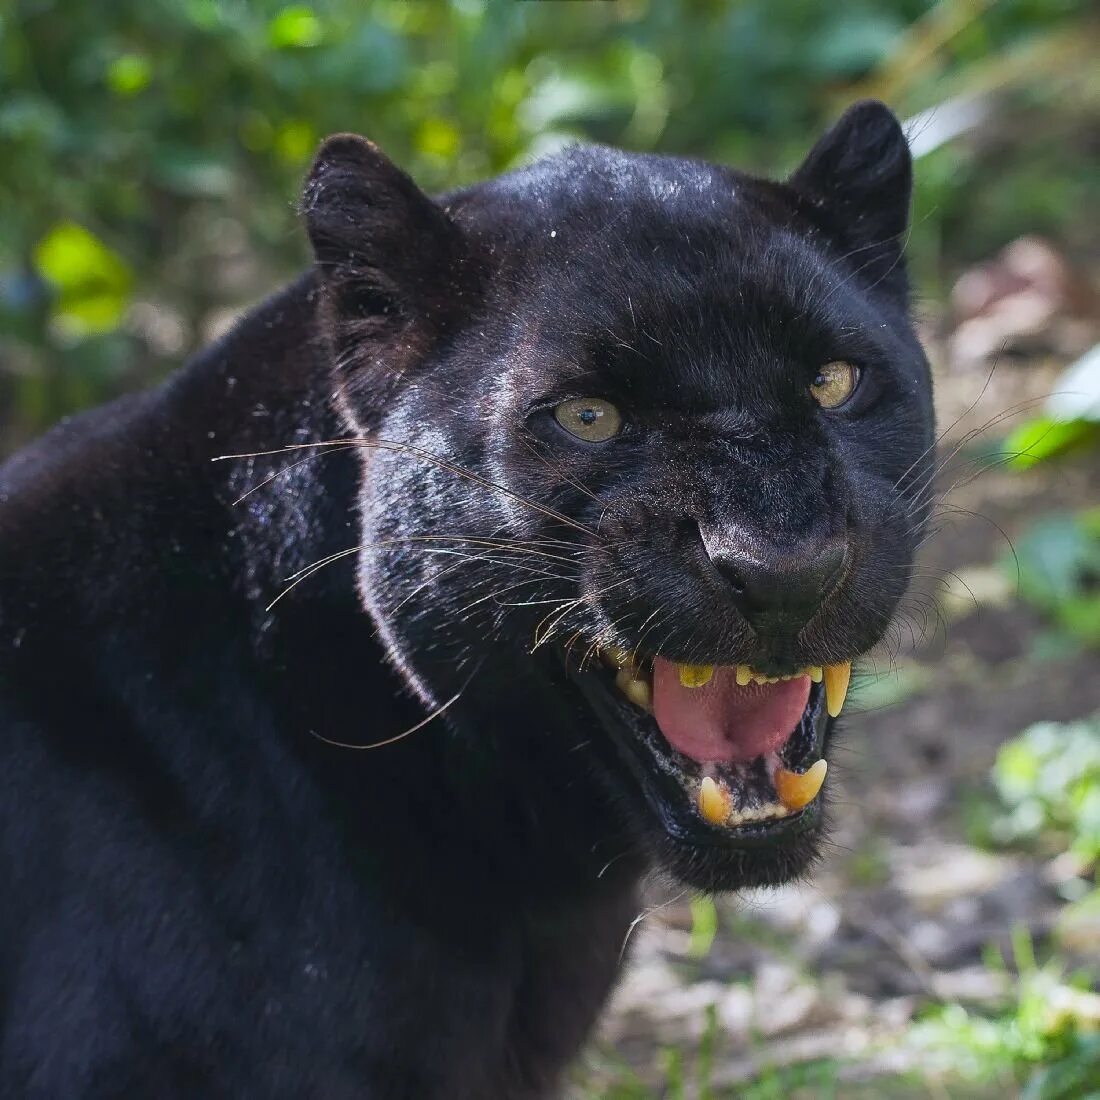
{"points": [[724, 722]]}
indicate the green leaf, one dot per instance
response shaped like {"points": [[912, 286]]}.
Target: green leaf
{"points": [[1043, 438], [129, 74], [1072, 415], [438, 137], [91, 282], [704, 926], [1081, 617], [295, 28]]}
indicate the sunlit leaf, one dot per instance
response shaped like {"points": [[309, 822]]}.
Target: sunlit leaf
{"points": [[129, 74], [1071, 416], [1044, 438], [91, 282], [704, 926], [438, 137], [71, 257], [295, 27]]}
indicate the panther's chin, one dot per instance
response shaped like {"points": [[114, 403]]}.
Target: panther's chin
{"points": [[725, 800]]}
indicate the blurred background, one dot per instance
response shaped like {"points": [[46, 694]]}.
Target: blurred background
{"points": [[151, 154]]}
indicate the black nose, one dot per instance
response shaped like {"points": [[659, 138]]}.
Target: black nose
{"points": [[778, 590]]}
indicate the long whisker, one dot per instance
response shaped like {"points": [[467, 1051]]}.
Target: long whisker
{"points": [[477, 479], [500, 545], [286, 470], [399, 737], [580, 486], [350, 441], [419, 452], [310, 570], [941, 464], [557, 616], [498, 592], [950, 428]]}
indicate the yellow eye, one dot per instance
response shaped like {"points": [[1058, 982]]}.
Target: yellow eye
{"points": [[834, 384], [589, 418]]}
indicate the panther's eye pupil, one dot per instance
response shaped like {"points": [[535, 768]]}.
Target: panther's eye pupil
{"points": [[588, 416]]}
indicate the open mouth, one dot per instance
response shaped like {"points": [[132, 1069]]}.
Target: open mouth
{"points": [[733, 754]]}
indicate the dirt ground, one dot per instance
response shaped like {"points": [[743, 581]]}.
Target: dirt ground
{"points": [[903, 911]]}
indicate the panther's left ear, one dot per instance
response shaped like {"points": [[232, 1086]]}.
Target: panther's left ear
{"points": [[389, 255], [859, 180]]}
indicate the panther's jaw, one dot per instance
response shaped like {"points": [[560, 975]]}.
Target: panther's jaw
{"points": [[711, 790]]}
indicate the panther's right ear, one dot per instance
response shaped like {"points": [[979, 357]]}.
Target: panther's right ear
{"points": [[386, 252], [858, 179]]}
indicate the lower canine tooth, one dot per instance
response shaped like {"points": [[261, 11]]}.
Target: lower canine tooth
{"points": [[695, 676], [836, 686], [637, 691], [714, 801], [796, 791]]}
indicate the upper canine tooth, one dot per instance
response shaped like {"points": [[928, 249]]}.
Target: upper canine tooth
{"points": [[715, 801], [695, 676], [637, 691], [743, 675], [796, 791], [836, 686]]}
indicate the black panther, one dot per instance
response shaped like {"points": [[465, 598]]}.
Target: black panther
{"points": [[352, 679]]}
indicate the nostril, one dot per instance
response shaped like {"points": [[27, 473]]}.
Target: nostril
{"points": [[725, 560], [733, 570], [744, 576], [774, 588]]}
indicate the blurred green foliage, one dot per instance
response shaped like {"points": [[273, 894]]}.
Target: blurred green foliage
{"points": [[1056, 564], [1047, 786], [152, 150], [1048, 782], [1069, 422]]}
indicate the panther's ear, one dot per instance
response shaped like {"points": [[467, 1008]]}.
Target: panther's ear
{"points": [[386, 252], [859, 179]]}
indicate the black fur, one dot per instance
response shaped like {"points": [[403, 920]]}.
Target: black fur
{"points": [[204, 895]]}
